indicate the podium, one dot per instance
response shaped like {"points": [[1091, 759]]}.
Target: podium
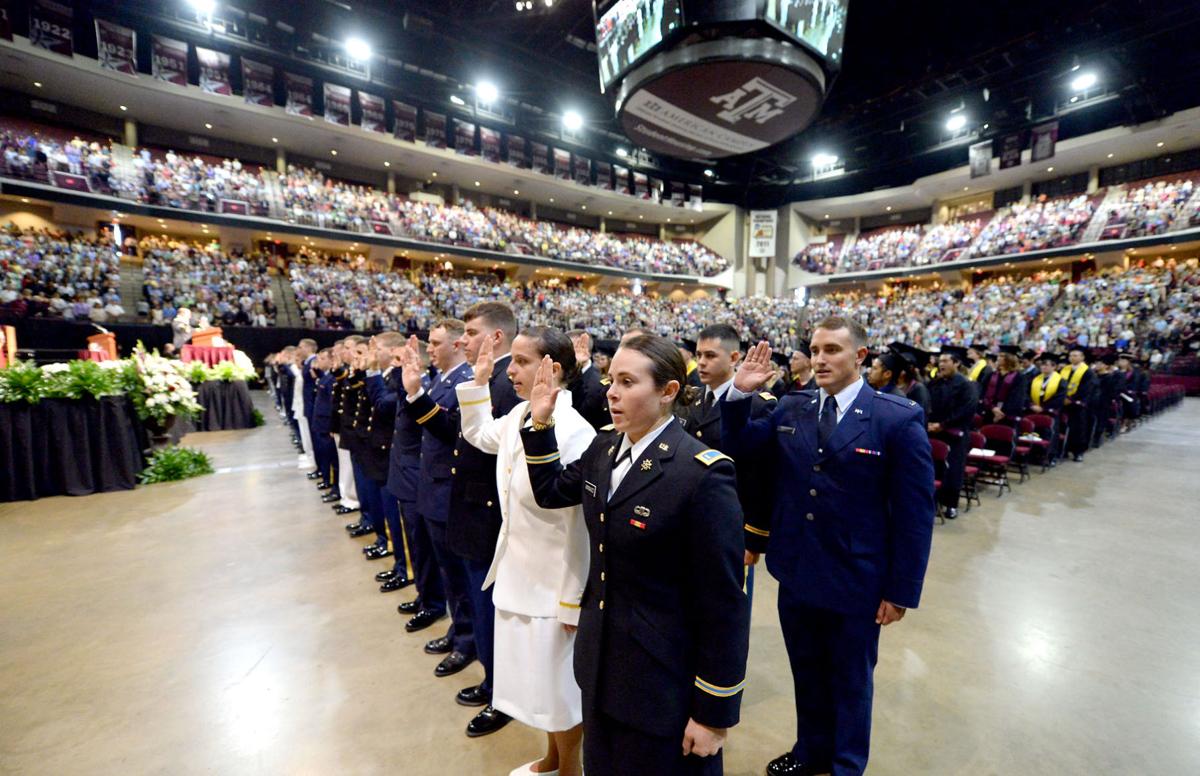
{"points": [[8, 345], [105, 342], [203, 338]]}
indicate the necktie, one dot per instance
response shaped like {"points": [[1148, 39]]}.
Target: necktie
{"points": [[707, 403], [828, 422]]}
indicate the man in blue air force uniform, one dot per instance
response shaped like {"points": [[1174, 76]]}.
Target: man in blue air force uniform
{"points": [[848, 537]]}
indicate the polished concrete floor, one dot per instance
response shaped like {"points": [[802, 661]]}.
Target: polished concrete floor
{"points": [[226, 625]]}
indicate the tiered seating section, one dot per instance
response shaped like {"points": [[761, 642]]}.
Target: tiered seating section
{"points": [[60, 275], [227, 288], [1150, 208]]}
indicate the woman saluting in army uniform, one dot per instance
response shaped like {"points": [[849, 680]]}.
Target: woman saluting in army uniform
{"points": [[661, 650]]}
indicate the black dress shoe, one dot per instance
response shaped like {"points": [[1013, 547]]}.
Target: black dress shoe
{"points": [[330, 498], [487, 721], [452, 664], [395, 583], [353, 526], [440, 646], [362, 530], [384, 576], [473, 696], [423, 619], [410, 607], [323, 486], [379, 554], [341, 510], [787, 765], [951, 513], [313, 475]]}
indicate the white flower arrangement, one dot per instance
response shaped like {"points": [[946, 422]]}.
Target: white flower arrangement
{"points": [[165, 391]]}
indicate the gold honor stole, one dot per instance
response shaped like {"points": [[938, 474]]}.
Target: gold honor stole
{"points": [[977, 369], [1075, 376], [1040, 383]]}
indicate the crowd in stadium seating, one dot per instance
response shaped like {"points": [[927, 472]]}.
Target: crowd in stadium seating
{"points": [[34, 157], [195, 184], [230, 289], [952, 235], [821, 257], [1152, 208], [892, 247], [57, 274], [1043, 223]]}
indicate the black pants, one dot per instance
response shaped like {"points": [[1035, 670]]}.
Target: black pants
{"points": [[430, 590], [1079, 429], [454, 581], [956, 463], [612, 748]]}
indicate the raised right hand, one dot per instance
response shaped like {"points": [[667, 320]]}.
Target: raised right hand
{"points": [[483, 363], [544, 393], [755, 370], [412, 371]]}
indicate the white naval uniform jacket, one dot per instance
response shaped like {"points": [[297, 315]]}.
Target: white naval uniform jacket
{"points": [[541, 561]]}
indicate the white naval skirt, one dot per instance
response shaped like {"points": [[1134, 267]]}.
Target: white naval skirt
{"points": [[534, 680]]}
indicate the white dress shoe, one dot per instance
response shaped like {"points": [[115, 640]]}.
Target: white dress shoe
{"points": [[527, 770]]}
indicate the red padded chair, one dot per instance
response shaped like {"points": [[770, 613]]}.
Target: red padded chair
{"points": [[993, 469], [1045, 427], [1003, 437], [1039, 449], [941, 452]]}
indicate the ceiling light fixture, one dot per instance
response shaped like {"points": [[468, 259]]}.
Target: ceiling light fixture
{"points": [[274, 140], [357, 48], [956, 122], [38, 84], [824, 160], [454, 98], [487, 92], [1083, 82], [621, 152], [709, 173], [333, 151], [124, 108], [387, 164], [572, 120], [207, 125]]}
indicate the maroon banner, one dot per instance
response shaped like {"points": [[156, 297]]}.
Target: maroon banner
{"points": [[237, 207], [604, 177], [65, 180], [678, 194], [464, 137], [695, 196], [539, 156], [299, 94], [435, 129], [518, 152], [373, 117], [337, 104], [406, 121], [1010, 151], [50, 26], [582, 167], [5, 21], [656, 190], [641, 186], [116, 47], [562, 164], [1045, 138], [489, 144], [214, 71], [258, 83], [620, 179], [380, 227], [168, 60]]}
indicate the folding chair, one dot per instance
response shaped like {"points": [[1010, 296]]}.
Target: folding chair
{"points": [[941, 452], [1039, 449], [993, 469], [1003, 438]]}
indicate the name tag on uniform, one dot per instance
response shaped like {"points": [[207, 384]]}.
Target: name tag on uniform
{"points": [[865, 451], [786, 429], [590, 488]]}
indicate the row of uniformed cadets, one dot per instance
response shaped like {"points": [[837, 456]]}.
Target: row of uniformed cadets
{"points": [[832, 483]]}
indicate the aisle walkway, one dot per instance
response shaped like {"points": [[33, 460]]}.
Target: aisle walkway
{"points": [[226, 625]]}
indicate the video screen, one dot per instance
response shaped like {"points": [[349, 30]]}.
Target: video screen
{"points": [[819, 23], [630, 28]]}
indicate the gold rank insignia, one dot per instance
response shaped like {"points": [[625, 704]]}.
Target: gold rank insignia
{"points": [[709, 457], [612, 449], [647, 464], [664, 446], [767, 396]]}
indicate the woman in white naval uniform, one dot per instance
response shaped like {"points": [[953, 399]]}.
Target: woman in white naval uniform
{"points": [[541, 560]]}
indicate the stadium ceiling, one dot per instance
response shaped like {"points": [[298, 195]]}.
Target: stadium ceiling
{"points": [[907, 66]]}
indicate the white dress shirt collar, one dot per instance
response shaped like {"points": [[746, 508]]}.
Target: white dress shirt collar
{"points": [[845, 397]]}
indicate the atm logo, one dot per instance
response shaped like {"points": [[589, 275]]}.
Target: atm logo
{"points": [[756, 100]]}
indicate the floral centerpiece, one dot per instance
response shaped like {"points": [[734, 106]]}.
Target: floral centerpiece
{"points": [[161, 393]]}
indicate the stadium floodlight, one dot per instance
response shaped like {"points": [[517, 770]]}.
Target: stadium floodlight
{"points": [[708, 173], [572, 120], [454, 98], [487, 92], [621, 152], [956, 122], [1083, 82], [203, 7], [357, 49], [823, 160]]}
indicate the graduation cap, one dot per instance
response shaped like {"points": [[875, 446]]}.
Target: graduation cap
{"points": [[1087, 354], [957, 352], [1016, 351], [1109, 359], [914, 356], [687, 344], [977, 346], [1029, 355], [803, 348], [893, 362], [1048, 358], [780, 358], [1127, 354]]}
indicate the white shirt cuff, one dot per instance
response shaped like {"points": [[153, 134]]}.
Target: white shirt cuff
{"points": [[733, 394], [411, 399]]}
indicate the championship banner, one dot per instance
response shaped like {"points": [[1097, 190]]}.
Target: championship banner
{"points": [[337, 104], [696, 196], [258, 83], [373, 116], [583, 170], [299, 95], [678, 194], [116, 47], [538, 156], [656, 190], [214, 71], [641, 185], [562, 164], [1045, 138], [50, 26], [518, 151], [489, 144], [168, 60], [762, 233], [620, 179], [980, 158], [1010, 151], [464, 137], [435, 129], [604, 177], [5, 21], [406, 121]]}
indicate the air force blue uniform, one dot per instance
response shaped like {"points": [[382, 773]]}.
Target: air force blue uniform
{"points": [[851, 525], [404, 472]]}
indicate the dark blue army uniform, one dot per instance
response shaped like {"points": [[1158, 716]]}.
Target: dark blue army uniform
{"points": [[851, 527], [324, 450], [436, 412], [474, 522], [588, 397], [358, 436], [664, 626], [404, 472], [375, 455]]}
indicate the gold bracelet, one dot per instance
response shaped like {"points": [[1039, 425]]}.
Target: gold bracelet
{"points": [[543, 426]]}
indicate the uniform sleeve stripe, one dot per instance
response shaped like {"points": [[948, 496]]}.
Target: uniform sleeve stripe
{"points": [[430, 414], [548, 458], [484, 400], [718, 691], [569, 606], [757, 531]]}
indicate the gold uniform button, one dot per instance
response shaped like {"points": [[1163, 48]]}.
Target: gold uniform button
{"points": [[601, 546], [699, 434], [601, 517], [813, 492], [454, 471], [456, 452], [602, 576], [816, 467], [489, 503], [601, 603], [809, 516]]}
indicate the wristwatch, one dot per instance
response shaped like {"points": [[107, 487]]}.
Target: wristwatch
{"points": [[543, 426]]}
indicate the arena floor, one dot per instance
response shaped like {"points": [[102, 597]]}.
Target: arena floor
{"points": [[226, 625]]}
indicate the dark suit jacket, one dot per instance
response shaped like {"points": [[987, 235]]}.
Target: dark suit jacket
{"points": [[474, 520], [436, 412], [664, 626], [404, 462], [589, 399]]}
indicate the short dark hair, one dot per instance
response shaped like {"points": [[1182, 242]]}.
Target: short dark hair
{"points": [[725, 333], [552, 342], [451, 325], [495, 314], [666, 363], [836, 322]]}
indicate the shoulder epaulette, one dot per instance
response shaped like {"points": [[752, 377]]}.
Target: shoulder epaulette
{"points": [[894, 399], [606, 380], [609, 427], [709, 457], [767, 396]]}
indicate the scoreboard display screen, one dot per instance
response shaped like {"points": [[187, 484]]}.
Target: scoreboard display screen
{"points": [[628, 29], [819, 23]]}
